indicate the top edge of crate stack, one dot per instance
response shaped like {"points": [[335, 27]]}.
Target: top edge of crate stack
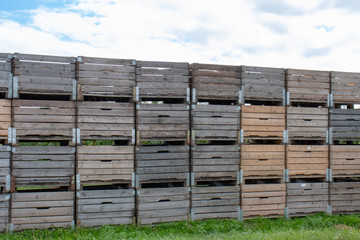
{"points": [[5, 75], [217, 84], [162, 81], [44, 77]]}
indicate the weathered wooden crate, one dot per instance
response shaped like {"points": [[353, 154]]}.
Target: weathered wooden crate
{"points": [[5, 152], [43, 166], [44, 75], [5, 118], [307, 86], [106, 120], [105, 77], [215, 122], [5, 75], [41, 210], [215, 162], [307, 160], [304, 198], [105, 164], [345, 160], [345, 197], [345, 87], [162, 80], [105, 207], [167, 122], [305, 123], [215, 202], [263, 84], [215, 82], [4, 211], [345, 124], [262, 160], [156, 205], [43, 120], [267, 200], [262, 122], [162, 163]]}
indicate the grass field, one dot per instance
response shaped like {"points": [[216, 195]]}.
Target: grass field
{"points": [[312, 227]]}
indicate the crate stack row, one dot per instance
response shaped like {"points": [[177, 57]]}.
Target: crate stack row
{"points": [[94, 141]]}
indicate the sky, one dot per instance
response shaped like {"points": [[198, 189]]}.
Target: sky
{"points": [[303, 34]]}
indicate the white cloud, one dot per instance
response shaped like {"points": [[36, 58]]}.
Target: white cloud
{"points": [[313, 34]]}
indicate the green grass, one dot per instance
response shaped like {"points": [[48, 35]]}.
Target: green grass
{"points": [[312, 227]]}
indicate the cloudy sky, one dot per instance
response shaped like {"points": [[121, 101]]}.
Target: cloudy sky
{"points": [[311, 34]]}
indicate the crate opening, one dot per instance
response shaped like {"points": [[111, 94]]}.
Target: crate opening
{"points": [[263, 103], [309, 104], [347, 106], [307, 142], [163, 143], [43, 143], [347, 179], [264, 181], [263, 141], [162, 184], [229, 183], [145, 100], [42, 189], [90, 187], [2, 95], [346, 142], [106, 99], [45, 97], [307, 180], [215, 142], [216, 102]]}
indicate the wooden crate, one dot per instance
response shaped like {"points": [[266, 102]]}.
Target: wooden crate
{"points": [[5, 118], [105, 164], [215, 202], [41, 210], [345, 87], [106, 120], [345, 160], [307, 86], [5, 152], [263, 84], [162, 163], [105, 207], [43, 166], [215, 82], [262, 122], [262, 160], [345, 197], [43, 120], [307, 198], [155, 205], [266, 200], [105, 77], [5, 75], [167, 122], [44, 75], [345, 124], [215, 122], [215, 162], [305, 123], [307, 160], [4, 211], [162, 80]]}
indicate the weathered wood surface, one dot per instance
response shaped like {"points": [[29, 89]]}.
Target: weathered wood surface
{"points": [[105, 164], [43, 166], [345, 124], [43, 120], [165, 122], [308, 85], [263, 84], [219, 82], [307, 198], [345, 197], [50, 75], [307, 160], [345, 87], [4, 211], [4, 164], [305, 123], [106, 120], [162, 163], [215, 162], [263, 122], [163, 80], [345, 160], [157, 205], [5, 72], [215, 202], [262, 160], [5, 118], [105, 207], [41, 210], [267, 200], [105, 77]]}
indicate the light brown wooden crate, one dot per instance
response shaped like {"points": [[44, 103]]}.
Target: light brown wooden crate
{"points": [[345, 160], [345, 197], [5, 118]]}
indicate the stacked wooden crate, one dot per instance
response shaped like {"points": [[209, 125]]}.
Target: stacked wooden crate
{"points": [[105, 141], [6, 76], [5, 161]]}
